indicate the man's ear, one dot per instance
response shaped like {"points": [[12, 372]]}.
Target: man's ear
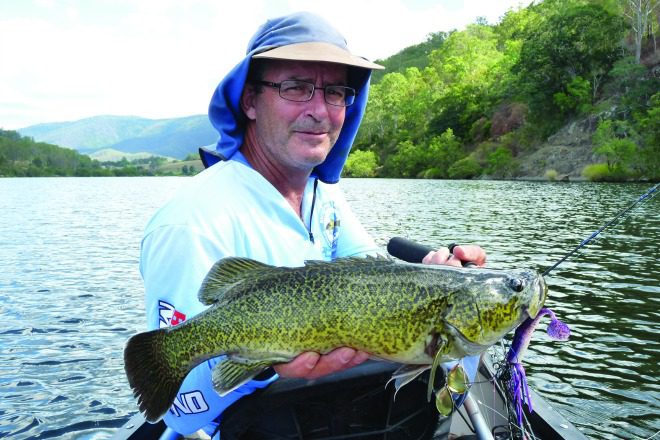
{"points": [[247, 101]]}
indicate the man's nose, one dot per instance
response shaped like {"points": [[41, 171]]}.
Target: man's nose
{"points": [[317, 105]]}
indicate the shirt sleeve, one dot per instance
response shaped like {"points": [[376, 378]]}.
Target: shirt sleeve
{"points": [[174, 261]]}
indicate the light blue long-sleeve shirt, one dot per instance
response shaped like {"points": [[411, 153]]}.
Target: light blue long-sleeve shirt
{"points": [[215, 217]]}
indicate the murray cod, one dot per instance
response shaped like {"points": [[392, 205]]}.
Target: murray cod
{"points": [[260, 315]]}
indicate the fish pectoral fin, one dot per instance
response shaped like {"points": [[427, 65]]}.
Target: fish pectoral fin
{"points": [[406, 374], [443, 348], [229, 375]]}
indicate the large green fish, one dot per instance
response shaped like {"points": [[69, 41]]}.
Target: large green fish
{"points": [[261, 315]]}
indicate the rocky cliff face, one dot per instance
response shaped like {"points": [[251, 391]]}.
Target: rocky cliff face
{"points": [[568, 151]]}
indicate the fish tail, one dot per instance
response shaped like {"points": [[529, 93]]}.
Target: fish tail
{"points": [[152, 374]]}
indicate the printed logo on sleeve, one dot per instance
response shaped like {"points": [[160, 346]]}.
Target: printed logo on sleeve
{"points": [[168, 316], [185, 403], [189, 403]]}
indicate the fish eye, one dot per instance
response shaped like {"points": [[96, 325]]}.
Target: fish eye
{"points": [[517, 284]]}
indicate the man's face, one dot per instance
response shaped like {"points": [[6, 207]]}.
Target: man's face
{"points": [[297, 135]]}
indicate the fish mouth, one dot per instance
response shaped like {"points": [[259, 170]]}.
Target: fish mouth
{"points": [[541, 293]]}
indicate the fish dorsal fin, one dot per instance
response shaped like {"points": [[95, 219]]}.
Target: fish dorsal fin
{"points": [[230, 271], [225, 274]]}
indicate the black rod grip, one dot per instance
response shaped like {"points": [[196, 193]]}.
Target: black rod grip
{"points": [[407, 250], [413, 252]]}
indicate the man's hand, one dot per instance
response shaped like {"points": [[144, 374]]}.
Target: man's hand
{"points": [[311, 365], [462, 254]]}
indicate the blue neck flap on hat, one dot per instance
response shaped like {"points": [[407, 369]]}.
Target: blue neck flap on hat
{"points": [[227, 117]]}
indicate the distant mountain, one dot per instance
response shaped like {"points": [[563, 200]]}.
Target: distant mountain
{"points": [[177, 137]]}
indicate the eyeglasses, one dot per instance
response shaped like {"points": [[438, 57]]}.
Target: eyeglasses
{"points": [[302, 91]]}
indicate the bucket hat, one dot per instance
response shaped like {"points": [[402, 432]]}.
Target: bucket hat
{"points": [[302, 36]]}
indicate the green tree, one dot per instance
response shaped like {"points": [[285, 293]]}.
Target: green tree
{"points": [[413, 56], [466, 168], [471, 78], [399, 108], [501, 163], [573, 40], [576, 98], [361, 163], [514, 24], [408, 161], [443, 152], [614, 140], [649, 152], [22, 156], [633, 85]]}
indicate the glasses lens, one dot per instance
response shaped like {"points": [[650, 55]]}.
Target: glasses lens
{"points": [[336, 95], [296, 90]]}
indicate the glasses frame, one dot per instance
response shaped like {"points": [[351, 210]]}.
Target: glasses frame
{"points": [[278, 86]]}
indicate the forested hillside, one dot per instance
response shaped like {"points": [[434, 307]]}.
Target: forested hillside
{"points": [[413, 56], [23, 157], [489, 97]]}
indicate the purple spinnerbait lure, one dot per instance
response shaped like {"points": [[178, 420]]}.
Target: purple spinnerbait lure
{"points": [[557, 330]]}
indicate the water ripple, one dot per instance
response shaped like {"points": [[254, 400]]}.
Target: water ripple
{"points": [[71, 294]]}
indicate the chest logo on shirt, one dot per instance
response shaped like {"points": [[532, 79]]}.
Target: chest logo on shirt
{"points": [[330, 223], [168, 316]]}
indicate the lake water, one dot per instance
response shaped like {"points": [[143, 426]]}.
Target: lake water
{"points": [[71, 294]]}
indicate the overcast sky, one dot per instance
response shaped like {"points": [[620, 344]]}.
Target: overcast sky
{"points": [[62, 60]]}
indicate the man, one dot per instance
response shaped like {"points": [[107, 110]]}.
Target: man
{"points": [[287, 116]]}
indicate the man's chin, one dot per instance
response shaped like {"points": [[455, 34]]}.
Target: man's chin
{"points": [[313, 155]]}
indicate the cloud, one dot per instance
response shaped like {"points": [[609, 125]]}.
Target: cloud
{"points": [[70, 59]]}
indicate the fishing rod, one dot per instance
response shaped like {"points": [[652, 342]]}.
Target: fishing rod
{"points": [[648, 195], [413, 252]]}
